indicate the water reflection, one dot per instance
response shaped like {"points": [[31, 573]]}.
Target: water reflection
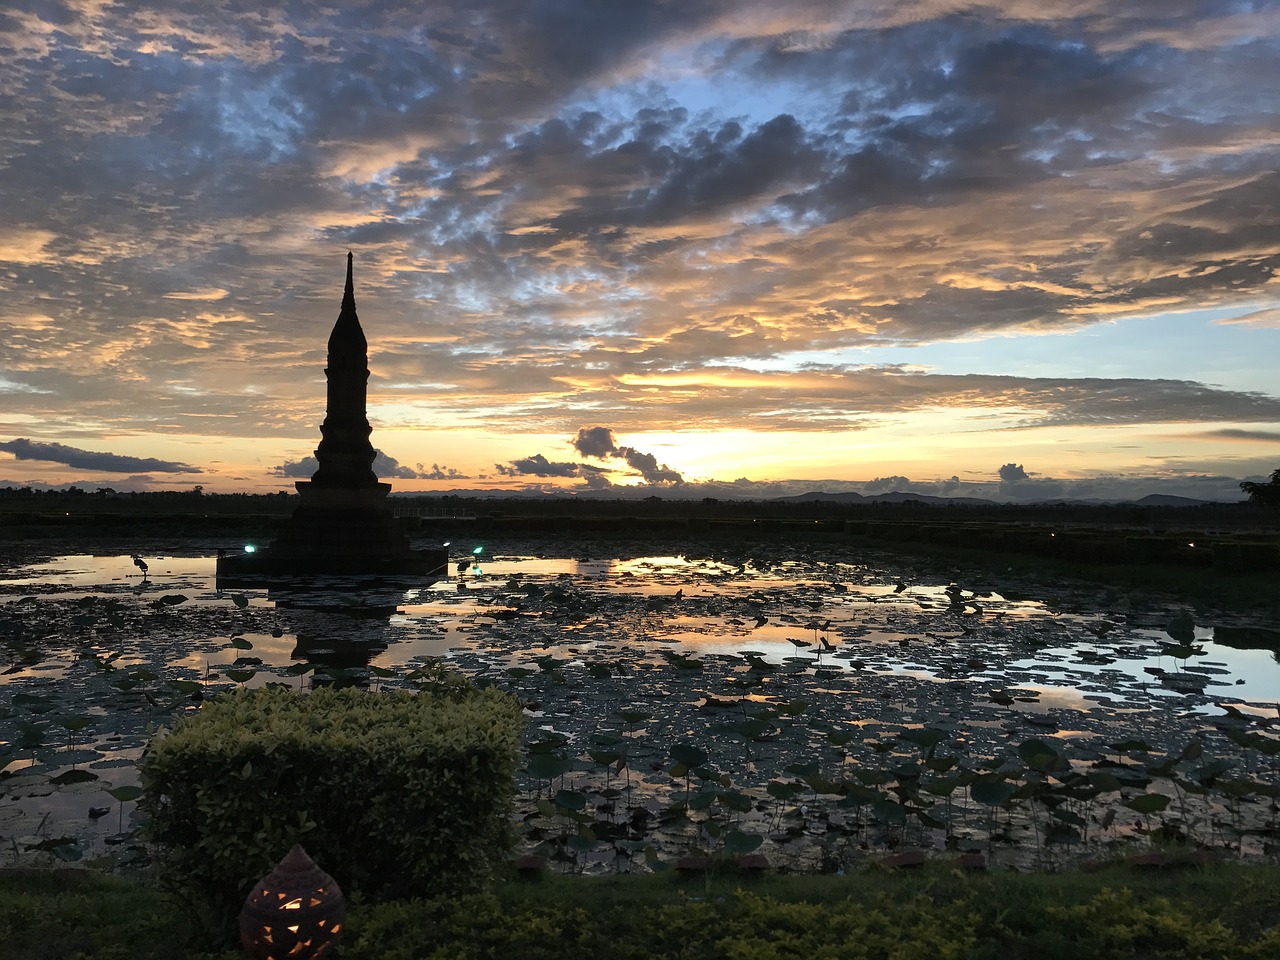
{"points": [[340, 624], [339, 628], [99, 658], [834, 615]]}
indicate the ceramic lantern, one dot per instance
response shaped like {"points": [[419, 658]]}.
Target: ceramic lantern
{"points": [[294, 912]]}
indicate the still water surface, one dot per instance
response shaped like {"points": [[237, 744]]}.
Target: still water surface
{"points": [[694, 606], [97, 656]]}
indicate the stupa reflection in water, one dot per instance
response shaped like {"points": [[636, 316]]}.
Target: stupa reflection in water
{"points": [[344, 524], [339, 631]]}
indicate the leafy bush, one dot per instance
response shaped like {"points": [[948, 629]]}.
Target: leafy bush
{"points": [[1117, 924], [74, 914], [1180, 915], [741, 927], [393, 793]]}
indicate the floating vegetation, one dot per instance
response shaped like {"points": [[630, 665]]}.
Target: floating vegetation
{"points": [[821, 712]]}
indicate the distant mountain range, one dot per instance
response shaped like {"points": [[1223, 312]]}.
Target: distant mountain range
{"points": [[1150, 500], [895, 497], [819, 496], [1168, 500]]}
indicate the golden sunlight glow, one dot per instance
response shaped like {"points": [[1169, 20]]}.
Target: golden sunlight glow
{"points": [[25, 246], [210, 293]]}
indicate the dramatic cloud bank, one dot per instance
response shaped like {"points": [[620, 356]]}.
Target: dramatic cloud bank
{"points": [[707, 217]]}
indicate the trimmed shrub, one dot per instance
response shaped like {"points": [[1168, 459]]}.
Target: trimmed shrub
{"points": [[393, 793]]}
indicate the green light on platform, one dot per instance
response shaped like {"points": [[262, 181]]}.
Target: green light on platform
{"points": [[250, 548]]}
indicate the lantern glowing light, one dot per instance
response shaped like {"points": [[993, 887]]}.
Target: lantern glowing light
{"points": [[294, 912]]}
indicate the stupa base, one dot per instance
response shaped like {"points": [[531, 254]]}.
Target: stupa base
{"points": [[270, 564], [339, 529]]}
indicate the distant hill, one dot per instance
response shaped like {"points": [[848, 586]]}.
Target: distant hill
{"points": [[1150, 500], [819, 496], [898, 496], [904, 497], [1168, 500]]}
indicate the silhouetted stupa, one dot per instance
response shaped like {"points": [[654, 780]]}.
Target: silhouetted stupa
{"points": [[344, 524]]}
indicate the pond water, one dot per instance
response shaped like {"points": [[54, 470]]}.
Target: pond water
{"points": [[696, 607], [762, 662]]}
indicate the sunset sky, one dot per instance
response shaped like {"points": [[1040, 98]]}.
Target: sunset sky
{"points": [[1020, 250]]}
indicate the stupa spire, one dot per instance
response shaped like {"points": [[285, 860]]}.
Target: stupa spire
{"points": [[349, 295], [347, 345], [345, 453]]}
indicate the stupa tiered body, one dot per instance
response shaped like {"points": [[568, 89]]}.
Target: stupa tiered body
{"points": [[344, 524]]}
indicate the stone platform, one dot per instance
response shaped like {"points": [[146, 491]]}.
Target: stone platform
{"points": [[339, 529]]}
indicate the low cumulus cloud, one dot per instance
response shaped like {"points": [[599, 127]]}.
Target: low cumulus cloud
{"points": [[384, 465], [598, 443], [1017, 484], [1012, 473], [79, 459], [538, 466], [888, 485], [300, 469], [388, 466], [595, 442], [595, 478], [438, 472], [951, 486]]}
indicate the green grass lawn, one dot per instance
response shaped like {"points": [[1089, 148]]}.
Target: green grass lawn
{"points": [[1214, 912]]}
